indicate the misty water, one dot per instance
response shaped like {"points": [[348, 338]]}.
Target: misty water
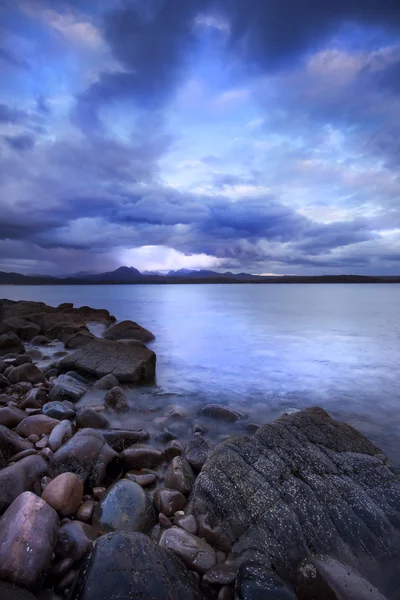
{"points": [[262, 349]]}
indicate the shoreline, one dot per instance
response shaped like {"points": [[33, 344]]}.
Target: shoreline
{"points": [[254, 512]]}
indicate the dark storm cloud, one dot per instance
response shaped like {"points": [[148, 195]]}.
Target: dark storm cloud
{"points": [[20, 143]]}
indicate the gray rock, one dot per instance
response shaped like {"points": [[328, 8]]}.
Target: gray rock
{"points": [[11, 416], [196, 451], [28, 372], [125, 507], [27, 538], [121, 439], [79, 340], [107, 382], [303, 485], [180, 475], [24, 329], [116, 399], [88, 455], [128, 330], [58, 410], [153, 573], [256, 582], [221, 412], [78, 376], [60, 435], [20, 477], [66, 387], [88, 417], [35, 398], [102, 357], [193, 551], [21, 359]]}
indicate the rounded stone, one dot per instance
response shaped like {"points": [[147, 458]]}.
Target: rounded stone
{"points": [[116, 399], [196, 553], [87, 417], [169, 501], [221, 412], [125, 507], [180, 475], [140, 455], [64, 493], [38, 424], [58, 410]]}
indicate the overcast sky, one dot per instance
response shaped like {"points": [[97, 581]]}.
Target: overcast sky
{"points": [[242, 135]]}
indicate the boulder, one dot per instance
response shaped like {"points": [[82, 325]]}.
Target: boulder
{"points": [[141, 456], [66, 387], [58, 410], [60, 435], [37, 424], [20, 477], [196, 451], [169, 501], [303, 485], [11, 443], [128, 330], [102, 357], [88, 455], [11, 416], [27, 372], [180, 475], [88, 417], [125, 507], [116, 399], [153, 573], [24, 329], [28, 534], [221, 412], [64, 493], [74, 540], [9, 342], [193, 551], [107, 382], [120, 439], [79, 339]]}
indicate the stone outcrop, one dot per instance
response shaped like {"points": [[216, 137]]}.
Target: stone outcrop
{"points": [[303, 485], [105, 357]]}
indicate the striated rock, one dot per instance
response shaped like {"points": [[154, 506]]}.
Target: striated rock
{"points": [[27, 372], [169, 501], [9, 591], [66, 387], [58, 410], [140, 455], [153, 573], [11, 443], [303, 485], [9, 342], [87, 417], [128, 330], [125, 507], [20, 477], [11, 416], [219, 411], [116, 399], [28, 534], [102, 357], [74, 540], [120, 439], [64, 493], [255, 581], [196, 451], [88, 455], [60, 435], [193, 551], [180, 475], [107, 382], [79, 339], [36, 424]]}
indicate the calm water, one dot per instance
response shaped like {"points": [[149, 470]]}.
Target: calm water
{"points": [[265, 349]]}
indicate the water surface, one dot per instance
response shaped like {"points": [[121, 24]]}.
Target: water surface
{"points": [[263, 349]]}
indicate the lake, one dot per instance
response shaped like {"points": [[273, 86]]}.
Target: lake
{"points": [[263, 349]]}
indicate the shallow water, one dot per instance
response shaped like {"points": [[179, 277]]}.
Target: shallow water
{"points": [[262, 349]]}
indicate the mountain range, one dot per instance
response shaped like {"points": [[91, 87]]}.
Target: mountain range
{"points": [[130, 275]]}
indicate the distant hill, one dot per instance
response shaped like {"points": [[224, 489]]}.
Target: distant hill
{"points": [[130, 275]]}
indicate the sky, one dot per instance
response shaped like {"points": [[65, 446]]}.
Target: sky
{"points": [[241, 135]]}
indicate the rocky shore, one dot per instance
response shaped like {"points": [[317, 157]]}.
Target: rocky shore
{"points": [[304, 507]]}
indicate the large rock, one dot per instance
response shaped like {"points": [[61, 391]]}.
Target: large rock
{"points": [[27, 372], [255, 582], [64, 493], [10, 343], [20, 477], [24, 329], [128, 330], [303, 485], [88, 455], [28, 533], [130, 566], [125, 507], [66, 387], [102, 357], [79, 340], [37, 424]]}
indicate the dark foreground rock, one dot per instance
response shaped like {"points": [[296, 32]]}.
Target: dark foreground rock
{"points": [[66, 387], [130, 566], [128, 330], [8, 591], [303, 485], [28, 534], [105, 357], [20, 477]]}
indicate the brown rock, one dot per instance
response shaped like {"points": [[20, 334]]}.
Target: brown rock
{"points": [[193, 551], [11, 416], [140, 456], [27, 372], [98, 492], [85, 511], [173, 449], [180, 475], [187, 522], [74, 539], [27, 539], [64, 494], [169, 501], [37, 424], [60, 569], [143, 479]]}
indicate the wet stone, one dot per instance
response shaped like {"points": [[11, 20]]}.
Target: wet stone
{"points": [[64, 494], [66, 387], [180, 475], [187, 522], [256, 581], [11, 416], [37, 424], [221, 412], [74, 539], [87, 417], [196, 451], [58, 410], [173, 449], [121, 439], [193, 551], [140, 456], [85, 511], [60, 435], [116, 399], [107, 382], [28, 372], [221, 574], [142, 479], [169, 501]]}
